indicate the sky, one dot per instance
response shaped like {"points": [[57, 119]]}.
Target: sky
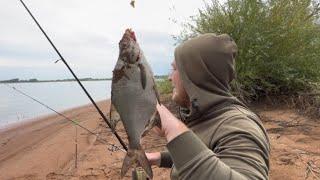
{"points": [[87, 34]]}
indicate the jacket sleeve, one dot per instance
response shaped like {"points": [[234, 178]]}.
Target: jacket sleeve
{"points": [[165, 161], [236, 156]]}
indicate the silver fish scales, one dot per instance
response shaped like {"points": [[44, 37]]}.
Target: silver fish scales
{"points": [[134, 96]]}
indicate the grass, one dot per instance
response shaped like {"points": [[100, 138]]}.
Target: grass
{"points": [[164, 86]]}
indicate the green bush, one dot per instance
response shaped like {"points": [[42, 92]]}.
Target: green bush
{"points": [[164, 85], [278, 42]]}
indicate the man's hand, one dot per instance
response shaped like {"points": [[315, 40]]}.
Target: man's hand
{"points": [[154, 158], [171, 127]]}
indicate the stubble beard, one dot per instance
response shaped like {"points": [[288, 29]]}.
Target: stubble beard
{"points": [[179, 99]]}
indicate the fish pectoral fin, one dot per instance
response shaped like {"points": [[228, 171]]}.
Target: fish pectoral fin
{"points": [[154, 121], [143, 75], [136, 157], [114, 117]]}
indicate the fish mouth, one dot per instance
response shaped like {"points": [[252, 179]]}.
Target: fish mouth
{"points": [[129, 35], [129, 48], [127, 39]]}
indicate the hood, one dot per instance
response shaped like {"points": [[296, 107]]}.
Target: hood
{"points": [[206, 67]]}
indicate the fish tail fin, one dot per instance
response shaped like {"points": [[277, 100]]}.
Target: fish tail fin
{"points": [[136, 157]]}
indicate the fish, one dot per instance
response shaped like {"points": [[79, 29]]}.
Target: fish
{"points": [[134, 96], [113, 118]]}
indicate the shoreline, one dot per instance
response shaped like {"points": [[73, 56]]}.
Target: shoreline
{"points": [[44, 81], [28, 121], [46, 144]]}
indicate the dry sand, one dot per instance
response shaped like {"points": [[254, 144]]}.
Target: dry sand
{"points": [[34, 149], [45, 148]]}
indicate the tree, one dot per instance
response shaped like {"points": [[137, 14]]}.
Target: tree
{"points": [[278, 42]]}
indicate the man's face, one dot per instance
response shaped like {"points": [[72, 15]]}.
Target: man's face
{"points": [[179, 94]]}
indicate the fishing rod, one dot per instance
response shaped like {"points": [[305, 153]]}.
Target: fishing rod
{"points": [[74, 75], [62, 115]]}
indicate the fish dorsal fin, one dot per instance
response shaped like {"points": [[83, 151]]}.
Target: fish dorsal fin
{"points": [[143, 76]]}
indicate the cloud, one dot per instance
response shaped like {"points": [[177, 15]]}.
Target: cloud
{"points": [[87, 35]]}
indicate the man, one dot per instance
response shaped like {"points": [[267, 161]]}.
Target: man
{"points": [[218, 137]]}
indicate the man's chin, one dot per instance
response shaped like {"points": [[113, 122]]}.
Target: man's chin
{"points": [[174, 97]]}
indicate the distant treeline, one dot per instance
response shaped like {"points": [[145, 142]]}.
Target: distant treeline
{"points": [[17, 80], [161, 76]]}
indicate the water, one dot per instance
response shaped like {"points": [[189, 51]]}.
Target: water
{"points": [[15, 107]]}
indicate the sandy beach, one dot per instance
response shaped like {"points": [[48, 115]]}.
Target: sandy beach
{"points": [[36, 148], [45, 148]]}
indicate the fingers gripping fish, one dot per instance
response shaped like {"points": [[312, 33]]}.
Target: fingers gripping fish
{"points": [[134, 96]]}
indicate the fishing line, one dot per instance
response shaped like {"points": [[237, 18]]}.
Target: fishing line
{"points": [[74, 75], [73, 121]]}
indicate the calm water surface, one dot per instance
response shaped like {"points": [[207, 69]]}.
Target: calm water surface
{"points": [[15, 107]]}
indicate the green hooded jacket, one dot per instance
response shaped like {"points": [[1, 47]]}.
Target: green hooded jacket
{"points": [[227, 140]]}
